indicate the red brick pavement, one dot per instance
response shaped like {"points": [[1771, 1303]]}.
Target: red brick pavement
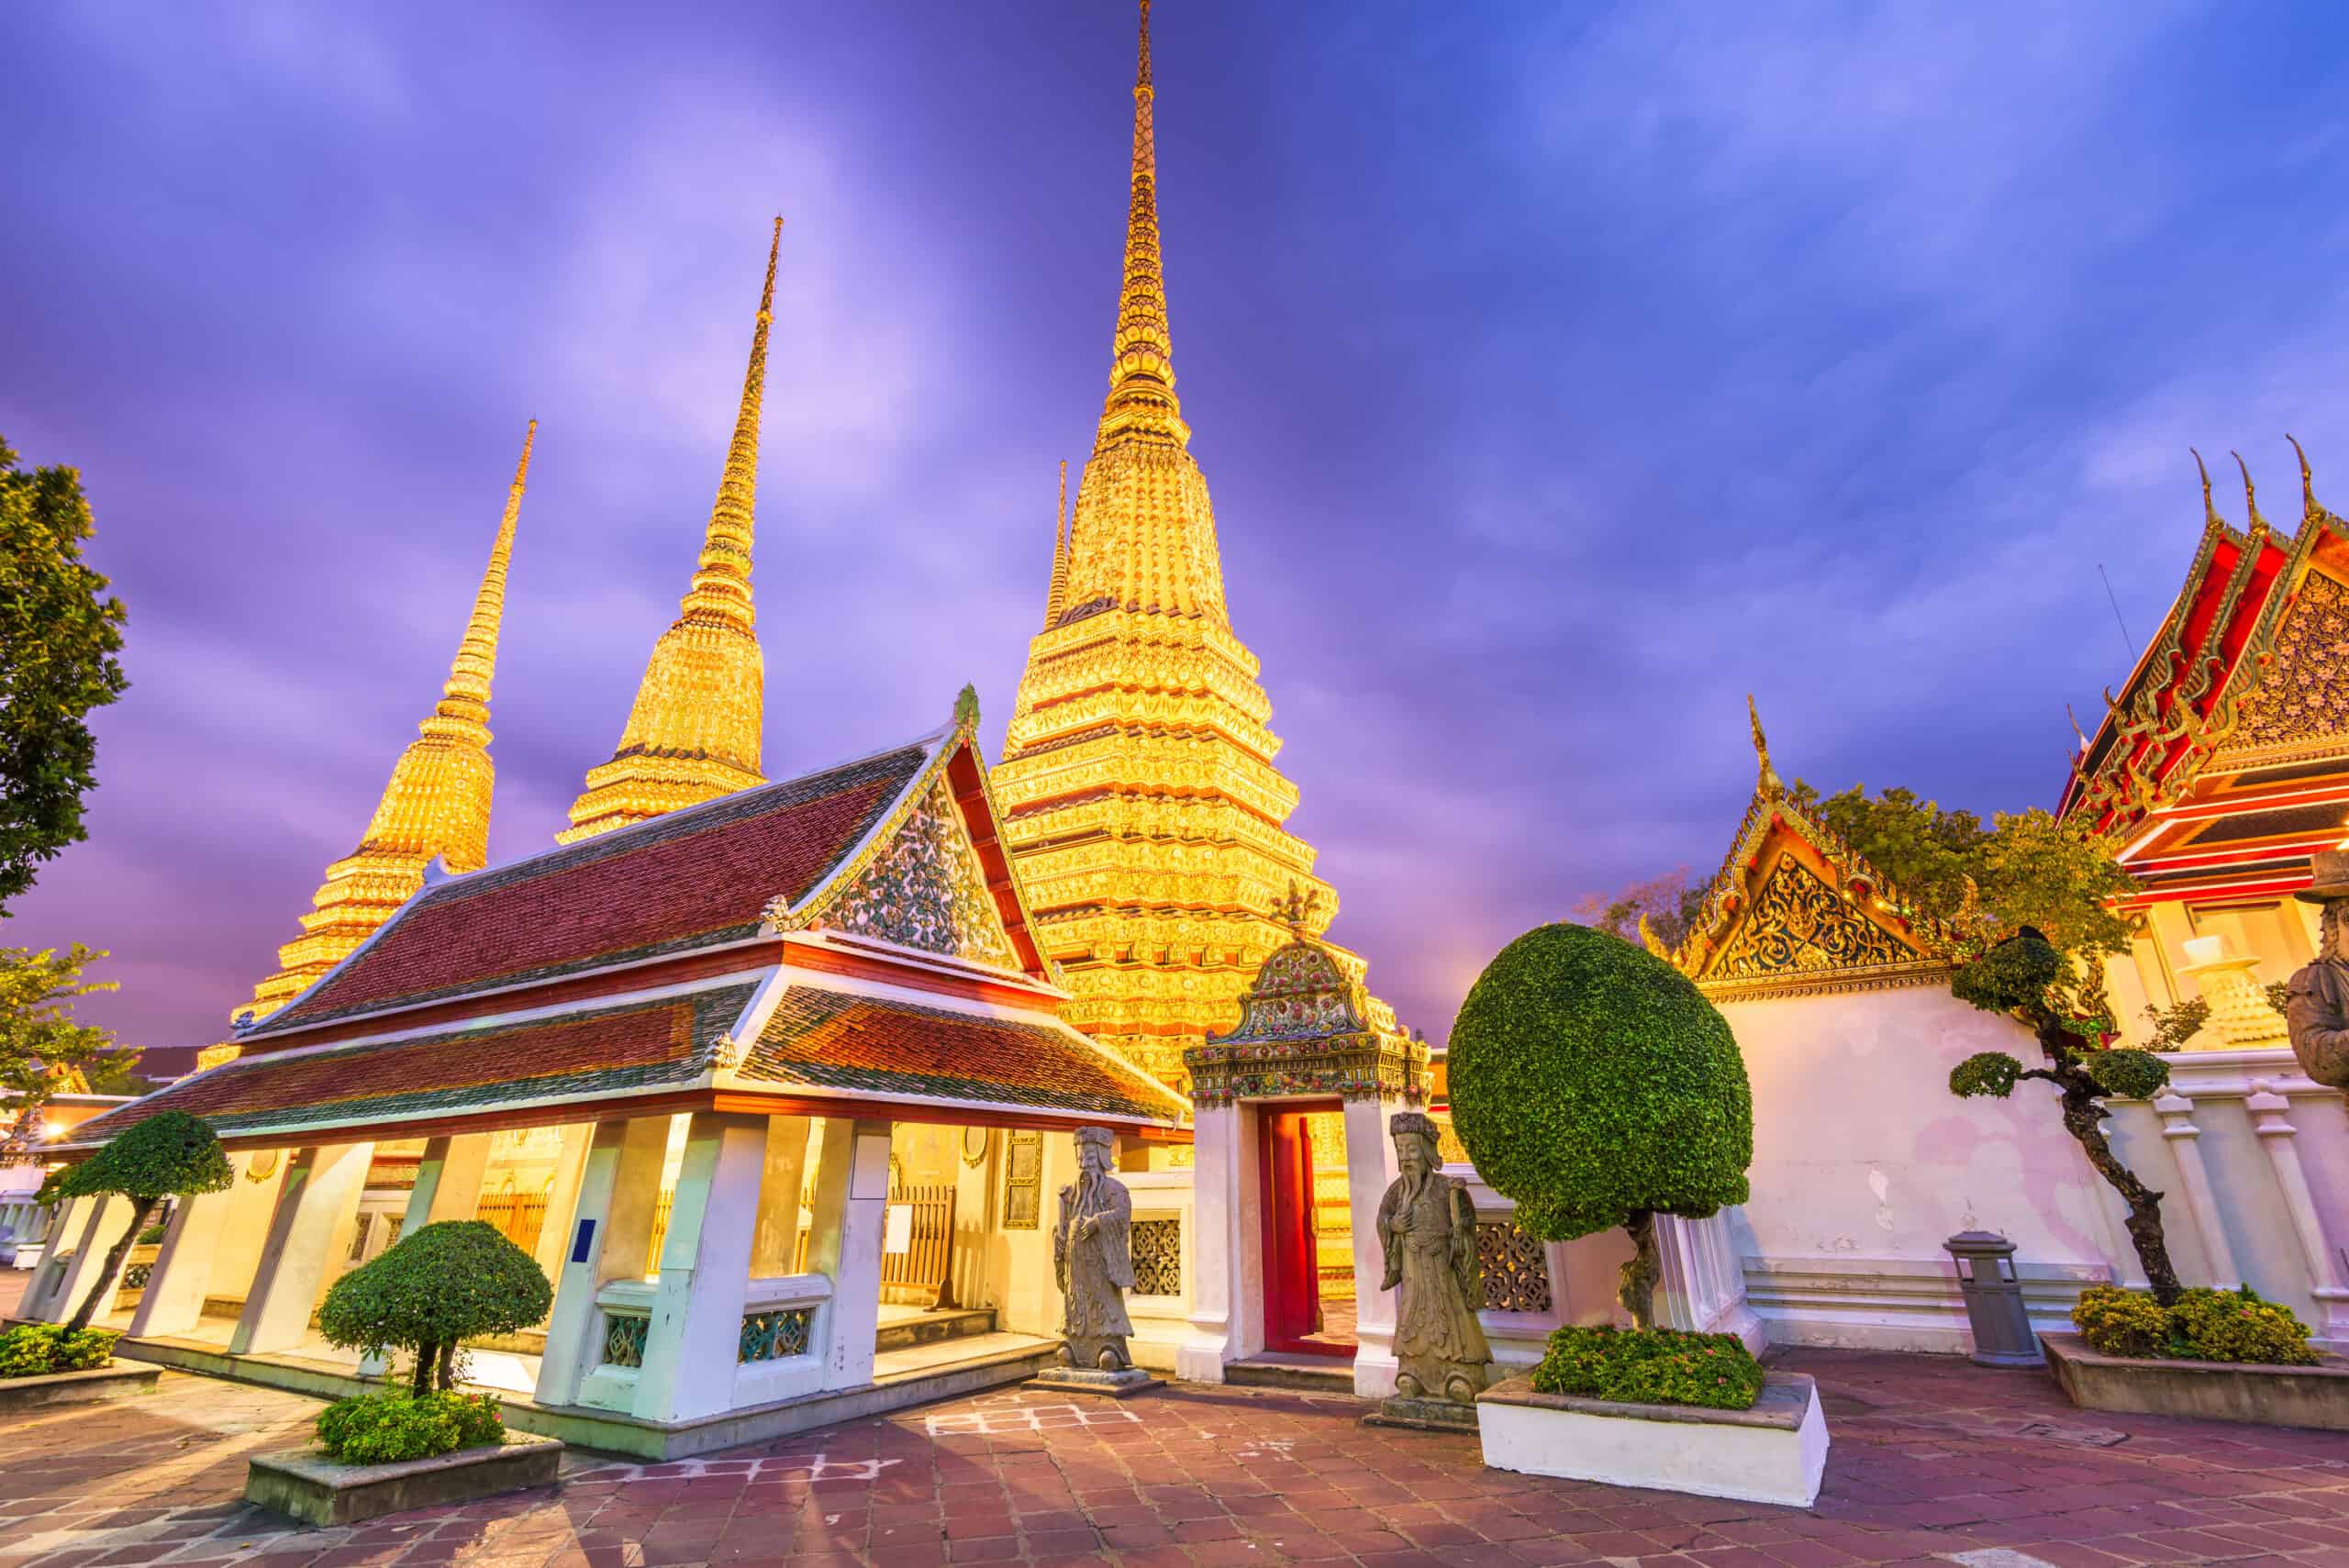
{"points": [[1932, 1457]]}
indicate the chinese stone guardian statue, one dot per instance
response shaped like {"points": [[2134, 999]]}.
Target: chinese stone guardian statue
{"points": [[2317, 1007], [1427, 1231], [1092, 1258]]}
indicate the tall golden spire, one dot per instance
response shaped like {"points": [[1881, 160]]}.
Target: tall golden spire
{"points": [[1056, 593], [1142, 804], [1142, 372], [694, 732], [436, 805]]}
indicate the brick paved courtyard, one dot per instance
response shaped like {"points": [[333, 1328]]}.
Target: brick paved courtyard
{"points": [[1934, 1460]]}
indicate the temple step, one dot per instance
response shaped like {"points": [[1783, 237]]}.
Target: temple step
{"points": [[902, 1334], [1319, 1374]]}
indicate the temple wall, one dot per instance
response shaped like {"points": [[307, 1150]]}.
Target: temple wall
{"points": [[1864, 1163]]}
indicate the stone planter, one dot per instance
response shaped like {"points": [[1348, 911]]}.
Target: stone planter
{"points": [[1774, 1453], [316, 1490], [112, 1380], [2204, 1391]]}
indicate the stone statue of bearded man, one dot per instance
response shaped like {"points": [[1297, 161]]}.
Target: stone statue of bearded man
{"points": [[1093, 1257], [2317, 1006], [1427, 1229]]}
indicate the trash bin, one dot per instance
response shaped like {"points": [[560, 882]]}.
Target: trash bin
{"points": [[1985, 1277]]}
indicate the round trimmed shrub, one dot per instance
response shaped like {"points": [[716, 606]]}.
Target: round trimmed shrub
{"points": [[169, 1154], [456, 1280], [1590, 1081]]}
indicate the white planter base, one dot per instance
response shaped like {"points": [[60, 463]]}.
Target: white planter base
{"points": [[1772, 1453]]}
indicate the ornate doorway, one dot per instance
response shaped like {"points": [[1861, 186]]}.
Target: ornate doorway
{"points": [[1302, 1314]]}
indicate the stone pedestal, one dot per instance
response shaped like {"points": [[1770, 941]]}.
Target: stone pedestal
{"points": [[1090, 1380]]}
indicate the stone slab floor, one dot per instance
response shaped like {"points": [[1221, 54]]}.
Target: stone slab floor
{"points": [[1934, 1460]]}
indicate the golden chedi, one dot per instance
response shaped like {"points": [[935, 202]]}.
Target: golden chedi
{"points": [[694, 733], [436, 805], [1143, 807]]}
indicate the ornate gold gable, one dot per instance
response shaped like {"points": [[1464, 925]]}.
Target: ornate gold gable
{"points": [[1308, 1027], [923, 888], [1795, 911]]}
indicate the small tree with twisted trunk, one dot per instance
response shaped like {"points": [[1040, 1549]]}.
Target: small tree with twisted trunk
{"points": [[170, 1154], [1592, 1084], [454, 1280]]}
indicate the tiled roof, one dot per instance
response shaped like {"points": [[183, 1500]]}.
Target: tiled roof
{"points": [[902, 1049], [602, 1050], [688, 880]]}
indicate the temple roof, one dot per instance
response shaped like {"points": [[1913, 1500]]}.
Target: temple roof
{"points": [[2247, 671], [1796, 909], [692, 879], [896, 1048], [601, 1052]]}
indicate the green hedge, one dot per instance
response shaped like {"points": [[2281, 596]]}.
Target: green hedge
{"points": [[1651, 1366], [2204, 1325], [385, 1429], [32, 1350], [1591, 1082]]}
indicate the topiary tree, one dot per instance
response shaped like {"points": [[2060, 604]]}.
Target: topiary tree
{"points": [[455, 1280], [1592, 1084], [170, 1154]]}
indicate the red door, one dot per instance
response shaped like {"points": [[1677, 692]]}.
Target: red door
{"points": [[1292, 1287]]}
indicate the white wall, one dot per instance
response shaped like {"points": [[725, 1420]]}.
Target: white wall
{"points": [[1865, 1162]]}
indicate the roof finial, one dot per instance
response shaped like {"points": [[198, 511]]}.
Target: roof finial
{"points": [[2308, 509], [1770, 782], [466, 694], [2209, 513], [1058, 592], [2250, 496], [1141, 373], [1297, 910], [2075, 726]]}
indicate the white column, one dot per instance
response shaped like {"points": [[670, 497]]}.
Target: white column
{"points": [[777, 1238], [315, 1201], [176, 1287], [2328, 1280], [2185, 1146], [1370, 1170], [1216, 1245], [448, 1180], [692, 1345], [851, 1205], [562, 1198], [109, 1218], [611, 1229], [71, 1217], [1703, 1288]]}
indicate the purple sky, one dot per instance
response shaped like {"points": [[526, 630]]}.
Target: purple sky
{"points": [[1558, 380]]}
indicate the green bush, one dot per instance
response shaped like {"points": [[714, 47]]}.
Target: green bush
{"points": [[34, 1349], [385, 1429], [2204, 1325], [1590, 1081], [2238, 1326], [1651, 1366], [453, 1281], [2117, 1322], [151, 1237]]}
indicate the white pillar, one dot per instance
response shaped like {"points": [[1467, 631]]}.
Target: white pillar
{"points": [[777, 1237], [2328, 1280], [692, 1345], [851, 1205], [71, 1217], [176, 1285], [1703, 1287], [1370, 1170], [611, 1229], [2185, 1146], [315, 1202], [562, 1198], [1221, 1242], [109, 1218], [448, 1180]]}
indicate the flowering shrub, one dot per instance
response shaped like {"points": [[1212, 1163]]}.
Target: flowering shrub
{"points": [[385, 1429], [2205, 1326], [1650, 1366], [34, 1349]]}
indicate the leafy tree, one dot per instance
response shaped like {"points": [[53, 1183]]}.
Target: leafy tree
{"points": [[1592, 1084], [450, 1281], [41, 1045], [170, 1154], [59, 636], [1669, 904], [2029, 901], [116, 1074]]}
